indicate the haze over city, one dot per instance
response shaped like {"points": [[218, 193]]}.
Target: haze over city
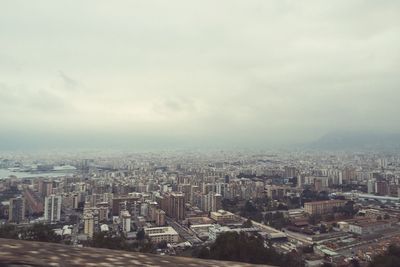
{"points": [[162, 74], [200, 133]]}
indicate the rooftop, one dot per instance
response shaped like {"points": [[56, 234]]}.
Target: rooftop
{"points": [[325, 201], [154, 231]]}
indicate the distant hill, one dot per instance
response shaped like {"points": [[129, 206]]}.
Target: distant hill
{"points": [[359, 141]]}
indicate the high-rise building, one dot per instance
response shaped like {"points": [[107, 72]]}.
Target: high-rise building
{"points": [[103, 211], [123, 202], [300, 181], [45, 188], [221, 188], [186, 189], [16, 210], [371, 186], [382, 187], [52, 208], [216, 202], [126, 221], [88, 219], [160, 218], [289, 172], [226, 179], [348, 174], [174, 205]]}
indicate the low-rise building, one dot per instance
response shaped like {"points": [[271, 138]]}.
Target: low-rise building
{"points": [[215, 230], [322, 207], [222, 216], [368, 227], [158, 234]]}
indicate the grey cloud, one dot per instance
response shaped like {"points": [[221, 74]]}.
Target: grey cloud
{"points": [[68, 81], [265, 71], [21, 98]]}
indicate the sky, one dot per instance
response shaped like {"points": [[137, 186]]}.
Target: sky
{"points": [[224, 73]]}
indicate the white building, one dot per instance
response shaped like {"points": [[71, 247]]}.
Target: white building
{"points": [[88, 219], [368, 227], [158, 234], [215, 230], [126, 221], [371, 186], [104, 228], [52, 208]]}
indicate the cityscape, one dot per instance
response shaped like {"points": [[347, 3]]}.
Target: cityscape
{"points": [[200, 133], [318, 207]]}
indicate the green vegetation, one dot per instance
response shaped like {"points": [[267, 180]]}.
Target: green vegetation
{"points": [[276, 220], [247, 224], [107, 240], [246, 248], [44, 233], [251, 211], [140, 235], [35, 232], [119, 242], [309, 195], [255, 210], [391, 258], [314, 219], [9, 231], [347, 210]]}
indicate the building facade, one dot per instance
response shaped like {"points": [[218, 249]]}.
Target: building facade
{"points": [[52, 208], [322, 207]]}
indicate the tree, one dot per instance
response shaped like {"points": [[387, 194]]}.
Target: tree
{"points": [[162, 245], [140, 235], [40, 232], [250, 210], [323, 195], [36, 232], [276, 219], [204, 253], [329, 217], [354, 263], [73, 218], [391, 258], [308, 249], [282, 207], [147, 247], [8, 231], [241, 247], [314, 219], [247, 224], [323, 229], [107, 240]]}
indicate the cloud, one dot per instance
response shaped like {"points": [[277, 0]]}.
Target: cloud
{"points": [[68, 81], [266, 72]]}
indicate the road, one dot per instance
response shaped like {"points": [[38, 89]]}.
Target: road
{"points": [[184, 232]]}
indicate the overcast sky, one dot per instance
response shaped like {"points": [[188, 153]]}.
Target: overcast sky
{"points": [[229, 73]]}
